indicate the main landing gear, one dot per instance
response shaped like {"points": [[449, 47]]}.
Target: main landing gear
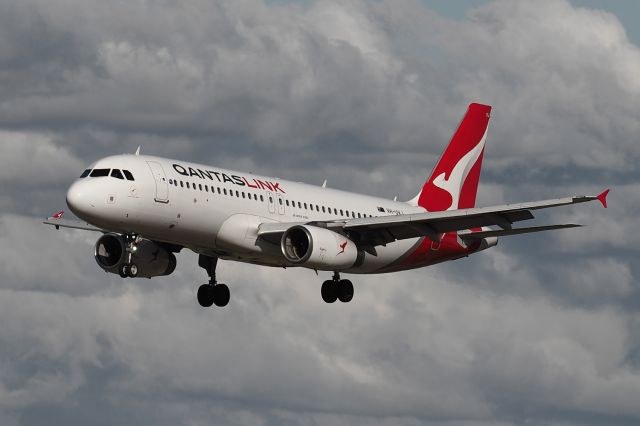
{"points": [[337, 289], [212, 293], [130, 269]]}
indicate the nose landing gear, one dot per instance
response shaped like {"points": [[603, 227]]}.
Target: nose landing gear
{"points": [[337, 289], [212, 293], [130, 269]]}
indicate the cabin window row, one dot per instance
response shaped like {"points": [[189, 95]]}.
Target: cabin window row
{"points": [[221, 191], [255, 197]]}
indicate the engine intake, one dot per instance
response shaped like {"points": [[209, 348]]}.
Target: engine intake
{"points": [[318, 248], [152, 259]]}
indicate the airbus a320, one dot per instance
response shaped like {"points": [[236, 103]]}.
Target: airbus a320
{"points": [[150, 208]]}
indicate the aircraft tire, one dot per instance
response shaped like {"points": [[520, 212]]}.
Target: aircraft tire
{"points": [[221, 295], [124, 271], [205, 295], [345, 291], [329, 291], [132, 270]]}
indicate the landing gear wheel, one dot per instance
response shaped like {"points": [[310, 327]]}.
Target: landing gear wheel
{"points": [[221, 295], [345, 291], [133, 270], [205, 295], [329, 291], [124, 271], [212, 293]]}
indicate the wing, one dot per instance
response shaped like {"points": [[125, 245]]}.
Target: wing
{"points": [[58, 222], [386, 229]]}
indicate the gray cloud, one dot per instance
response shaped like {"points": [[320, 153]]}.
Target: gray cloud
{"points": [[542, 329]]}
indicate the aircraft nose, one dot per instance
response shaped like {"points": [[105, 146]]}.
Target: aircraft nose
{"points": [[78, 199]]}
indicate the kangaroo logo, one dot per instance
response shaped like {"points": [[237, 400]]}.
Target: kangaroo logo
{"points": [[453, 184], [342, 247]]}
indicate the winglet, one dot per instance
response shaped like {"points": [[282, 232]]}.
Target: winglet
{"points": [[58, 215], [138, 150], [603, 197]]}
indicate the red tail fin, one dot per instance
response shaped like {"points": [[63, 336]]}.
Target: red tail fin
{"points": [[454, 181]]}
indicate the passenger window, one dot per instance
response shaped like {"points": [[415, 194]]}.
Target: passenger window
{"points": [[287, 203], [243, 194], [323, 209], [255, 197], [200, 186], [280, 201], [85, 173], [271, 199], [305, 206], [238, 194], [262, 198], [317, 208], [188, 185], [128, 175], [181, 184], [299, 205], [206, 188], [358, 215], [99, 172], [218, 188], [116, 174], [225, 191], [335, 211]]}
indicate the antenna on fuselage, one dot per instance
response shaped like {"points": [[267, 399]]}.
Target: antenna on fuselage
{"points": [[324, 184], [138, 150]]}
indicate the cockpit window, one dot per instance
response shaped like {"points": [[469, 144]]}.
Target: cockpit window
{"points": [[85, 173], [116, 174], [99, 172], [128, 175]]}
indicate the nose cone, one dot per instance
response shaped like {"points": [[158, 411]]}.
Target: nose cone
{"points": [[79, 200]]}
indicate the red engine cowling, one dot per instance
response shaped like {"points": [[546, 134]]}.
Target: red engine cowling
{"points": [[152, 259], [318, 248]]}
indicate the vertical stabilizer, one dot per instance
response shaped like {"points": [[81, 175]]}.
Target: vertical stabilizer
{"points": [[454, 181]]}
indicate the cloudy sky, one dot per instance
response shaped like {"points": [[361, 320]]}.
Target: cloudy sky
{"points": [[541, 330]]}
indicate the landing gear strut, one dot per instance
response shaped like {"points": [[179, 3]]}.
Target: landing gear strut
{"points": [[337, 289], [212, 293], [130, 269]]}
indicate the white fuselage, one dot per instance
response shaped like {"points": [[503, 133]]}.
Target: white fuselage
{"points": [[217, 212]]}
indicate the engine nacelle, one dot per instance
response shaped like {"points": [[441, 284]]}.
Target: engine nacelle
{"points": [[318, 248], [151, 259]]}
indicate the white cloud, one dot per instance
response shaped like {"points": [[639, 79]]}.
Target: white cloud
{"points": [[47, 161]]}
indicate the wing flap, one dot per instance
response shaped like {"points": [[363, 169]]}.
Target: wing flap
{"points": [[515, 231]]}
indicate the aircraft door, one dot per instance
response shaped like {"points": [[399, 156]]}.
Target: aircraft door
{"points": [[272, 203], [280, 204], [162, 186]]}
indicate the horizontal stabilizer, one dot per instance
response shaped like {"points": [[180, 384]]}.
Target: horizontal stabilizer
{"points": [[515, 231]]}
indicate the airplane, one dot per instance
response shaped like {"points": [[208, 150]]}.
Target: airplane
{"points": [[149, 208]]}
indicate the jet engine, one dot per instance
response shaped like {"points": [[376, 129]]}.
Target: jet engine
{"points": [[152, 259], [318, 248]]}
